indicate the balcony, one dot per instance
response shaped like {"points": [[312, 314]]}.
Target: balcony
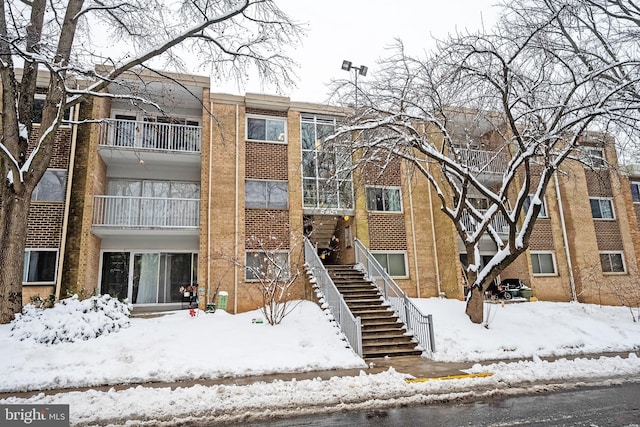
{"points": [[498, 222], [483, 162], [150, 135], [111, 213]]}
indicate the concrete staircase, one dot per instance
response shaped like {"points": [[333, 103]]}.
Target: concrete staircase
{"points": [[382, 334]]}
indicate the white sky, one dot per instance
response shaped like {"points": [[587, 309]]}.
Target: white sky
{"points": [[360, 30]]}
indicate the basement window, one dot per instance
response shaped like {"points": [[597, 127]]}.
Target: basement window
{"points": [[394, 262], [40, 266]]}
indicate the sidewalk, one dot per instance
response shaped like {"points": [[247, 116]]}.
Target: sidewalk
{"points": [[416, 366]]}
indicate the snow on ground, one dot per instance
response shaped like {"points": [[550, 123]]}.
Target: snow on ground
{"points": [[177, 346]]}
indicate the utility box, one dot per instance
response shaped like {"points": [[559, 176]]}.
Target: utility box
{"points": [[223, 297]]}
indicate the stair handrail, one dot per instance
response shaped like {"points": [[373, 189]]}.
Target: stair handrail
{"points": [[418, 324], [350, 325]]}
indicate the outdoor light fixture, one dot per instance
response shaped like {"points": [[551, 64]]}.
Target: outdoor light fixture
{"points": [[361, 70]]}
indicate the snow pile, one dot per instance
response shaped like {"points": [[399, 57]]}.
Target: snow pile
{"points": [[71, 320]]}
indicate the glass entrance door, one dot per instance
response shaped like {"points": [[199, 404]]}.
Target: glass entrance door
{"points": [[145, 278]]}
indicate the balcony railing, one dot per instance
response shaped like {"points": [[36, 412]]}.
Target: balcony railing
{"points": [[498, 222], [145, 212], [150, 135], [482, 161]]}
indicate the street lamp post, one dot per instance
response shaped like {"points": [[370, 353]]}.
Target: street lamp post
{"points": [[361, 70]]}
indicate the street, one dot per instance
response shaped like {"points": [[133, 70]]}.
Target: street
{"points": [[617, 405]]}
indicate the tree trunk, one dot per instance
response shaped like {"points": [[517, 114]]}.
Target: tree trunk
{"points": [[475, 305], [12, 245]]}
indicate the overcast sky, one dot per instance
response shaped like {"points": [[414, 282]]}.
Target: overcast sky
{"points": [[360, 30]]}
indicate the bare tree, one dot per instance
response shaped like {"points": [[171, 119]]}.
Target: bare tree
{"points": [[228, 36], [512, 103]]}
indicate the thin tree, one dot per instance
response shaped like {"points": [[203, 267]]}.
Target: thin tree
{"points": [[518, 100], [62, 37]]}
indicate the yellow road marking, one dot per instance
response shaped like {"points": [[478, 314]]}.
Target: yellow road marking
{"points": [[451, 377]]}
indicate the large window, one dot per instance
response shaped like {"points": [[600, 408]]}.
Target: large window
{"points": [[384, 199], [612, 262], [326, 167], [543, 263], [393, 262], [51, 187], [601, 208], [266, 266], [266, 129], [635, 191], [40, 266], [543, 208], [266, 194]]}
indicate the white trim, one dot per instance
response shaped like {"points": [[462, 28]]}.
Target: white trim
{"points": [[624, 264], [264, 117], [553, 260]]}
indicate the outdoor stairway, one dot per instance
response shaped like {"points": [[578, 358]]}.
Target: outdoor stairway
{"points": [[382, 333]]}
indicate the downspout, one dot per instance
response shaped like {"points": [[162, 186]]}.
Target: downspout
{"points": [[413, 238], [435, 242], [67, 201], [235, 233], [209, 202], [574, 295]]}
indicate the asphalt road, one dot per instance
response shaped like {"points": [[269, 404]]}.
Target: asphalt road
{"points": [[617, 405]]}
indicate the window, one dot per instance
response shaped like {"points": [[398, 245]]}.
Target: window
{"points": [[543, 263], [635, 191], [601, 208], [263, 129], [266, 194], [543, 208], [51, 187], [393, 262], [267, 266], [38, 106], [326, 168], [384, 199], [594, 157], [612, 262], [40, 266]]}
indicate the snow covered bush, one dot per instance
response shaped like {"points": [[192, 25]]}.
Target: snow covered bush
{"points": [[71, 320]]}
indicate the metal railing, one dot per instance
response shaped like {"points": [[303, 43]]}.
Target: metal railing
{"points": [[417, 323], [136, 212], [499, 223], [150, 135], [493, 162], [350, 325]]}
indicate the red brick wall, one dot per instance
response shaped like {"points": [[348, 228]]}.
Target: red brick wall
{"points": [[266, 229], [45, 225], [266, 161]]}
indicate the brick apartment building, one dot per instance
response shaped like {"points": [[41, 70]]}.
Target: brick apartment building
{"points": [[152, 199]]}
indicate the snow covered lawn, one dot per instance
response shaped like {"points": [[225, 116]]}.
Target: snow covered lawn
{"points": [[178, 346]]}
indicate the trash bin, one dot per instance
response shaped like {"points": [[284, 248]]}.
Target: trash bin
{"points": [[526, 293], [223, 297]]}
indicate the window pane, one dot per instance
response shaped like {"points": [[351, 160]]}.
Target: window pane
{"points": [[634, 191], [255, 195], [374, 199], [254, 265], [542, 264], [346, 195], [396, 265], [606, 264], [278, 196], [595, 208], [606, 209], [275, 130], [393, 200], [310, 193], [256, 129], [382, 259], [308, 136], [185, 190], [42, 266], [616, 263], [309, 163], [51, 187]]}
